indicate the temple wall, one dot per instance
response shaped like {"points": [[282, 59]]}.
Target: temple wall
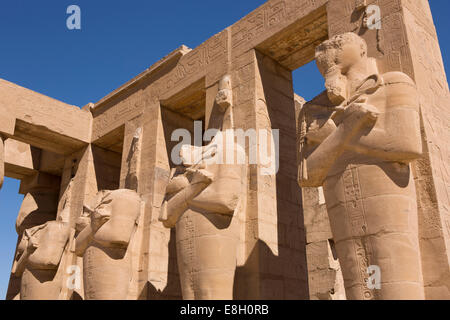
{"points": [[286, 249]]}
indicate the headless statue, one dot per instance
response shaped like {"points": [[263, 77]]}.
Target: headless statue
{"points": [[358, 140], [202, 201], [38, 257], [105, 234]]}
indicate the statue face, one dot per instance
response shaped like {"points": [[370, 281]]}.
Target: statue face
{"points": [[334, 65], [336, 85], [349, 55], [332, 69]]}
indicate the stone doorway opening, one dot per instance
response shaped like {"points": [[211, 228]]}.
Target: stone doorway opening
{"points": [[184, 111], [107, 155]]}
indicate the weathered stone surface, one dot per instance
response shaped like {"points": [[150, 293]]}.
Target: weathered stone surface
{"points": [[104, 241], [204, 201], [281, 241], [46, 122], [408, 42], [360, 148]]}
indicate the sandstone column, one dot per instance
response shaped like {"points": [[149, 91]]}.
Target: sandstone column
{"points": [[274, 263], [407, 42]]}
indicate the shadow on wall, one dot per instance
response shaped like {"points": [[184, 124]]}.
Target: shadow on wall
{"points": [[273, 285], [244, 280], [172, 291]]}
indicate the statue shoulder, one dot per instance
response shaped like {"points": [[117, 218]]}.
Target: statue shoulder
{"points": [[57, 230], [397, 77], [400, 89]]}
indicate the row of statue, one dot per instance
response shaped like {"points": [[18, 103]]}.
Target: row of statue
{"points": [[356, 140]]}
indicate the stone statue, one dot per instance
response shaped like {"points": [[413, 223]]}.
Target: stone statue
{"points": [[105, 234], [358, 140], [202, 201], [38, 258]]}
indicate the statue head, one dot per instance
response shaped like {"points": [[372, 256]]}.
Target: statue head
{"points": [[334, 58]]}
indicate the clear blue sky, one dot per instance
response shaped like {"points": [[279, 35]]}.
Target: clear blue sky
{"points": [[118, 40]]}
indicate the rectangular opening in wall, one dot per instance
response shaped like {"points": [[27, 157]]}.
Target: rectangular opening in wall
{"points": [[107, 154], [294, 47], [181, 112]]}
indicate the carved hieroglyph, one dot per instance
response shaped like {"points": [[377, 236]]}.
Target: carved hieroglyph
{"points": [[106, 232], [38, 258], [359, 139], [202, 201]]}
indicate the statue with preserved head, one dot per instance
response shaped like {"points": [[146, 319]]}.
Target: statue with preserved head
{"points": [[357, 140]]}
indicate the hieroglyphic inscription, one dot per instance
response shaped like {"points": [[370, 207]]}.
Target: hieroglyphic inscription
{"points": [[188, 247], [354, 205], [269, 16], [217, 47], [357, 221], [118, 114], [196, 61], [258, 22], [193, 63]]}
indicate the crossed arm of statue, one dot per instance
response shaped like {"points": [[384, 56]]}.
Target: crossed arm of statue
{"points": [[112, 222], [397, 138], [42, 246], [357, 127], [28, 244], [203, 186], [355, 118], [87, 225], [180, 192]]}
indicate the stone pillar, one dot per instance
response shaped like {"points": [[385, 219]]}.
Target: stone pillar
{"points": [[407, 42], [274, 262], [7, 126], [432, 173], [129, 179], [78, 186], [325, 279], [158, 273]]}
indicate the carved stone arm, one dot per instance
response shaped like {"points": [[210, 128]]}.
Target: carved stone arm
{"points": [[399, 141], [26, 247], [398, 138], [83, 240], [173, 208], [22, 258], [223, 195], [320, 161], [19, 266]]}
